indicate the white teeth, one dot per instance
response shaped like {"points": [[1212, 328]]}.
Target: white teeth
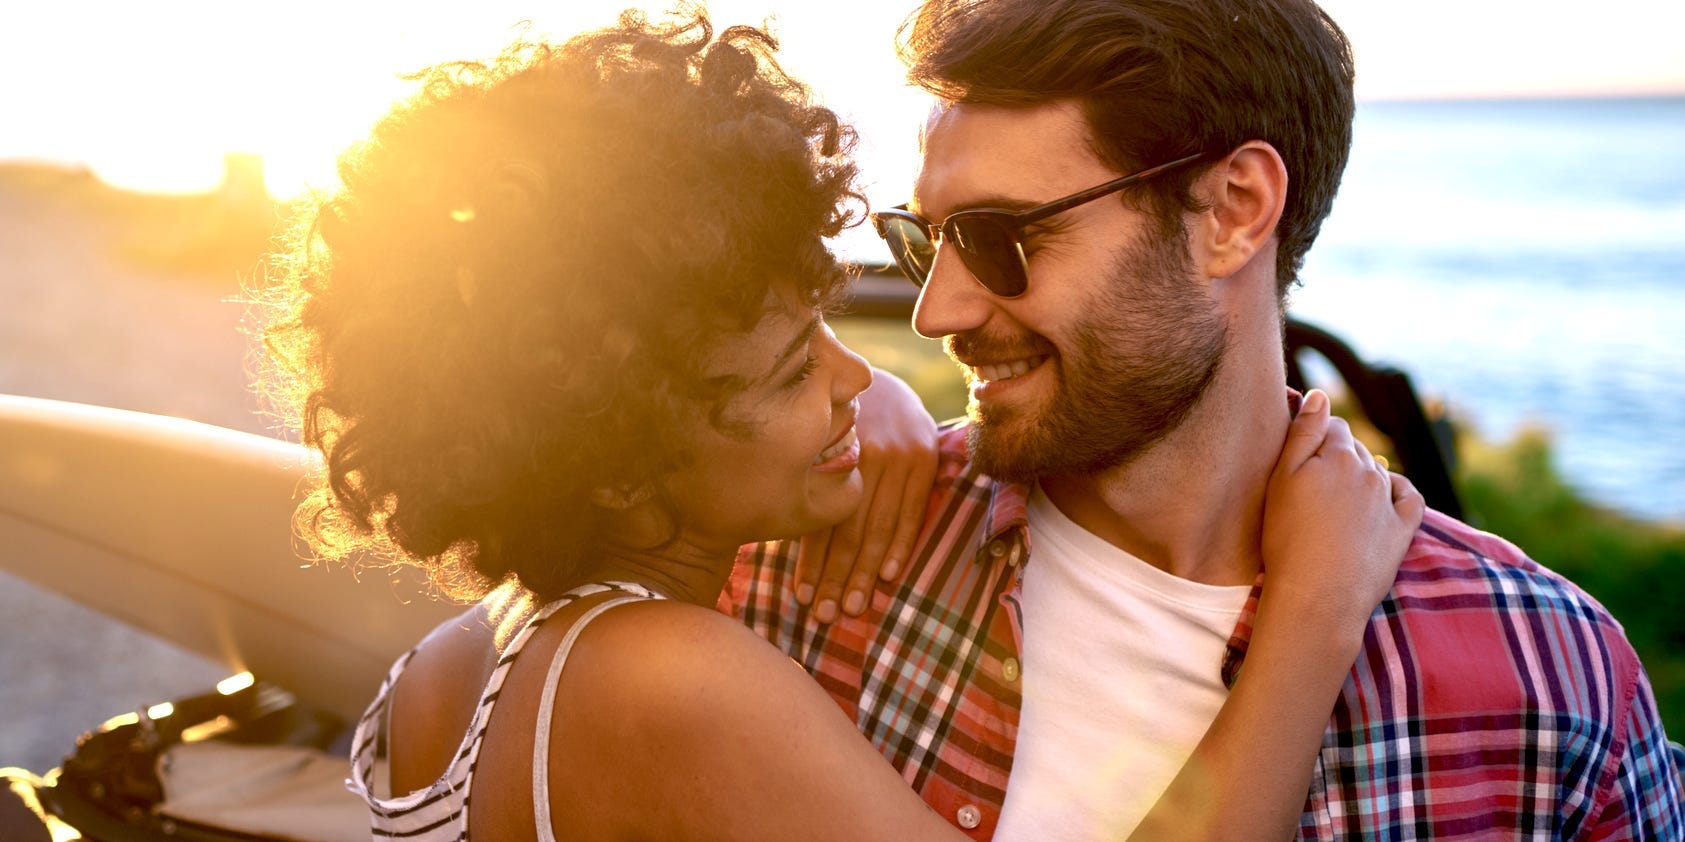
{"points": [[1007, 371], [837, 449]]}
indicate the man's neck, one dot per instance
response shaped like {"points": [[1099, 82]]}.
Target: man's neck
{"points": [[1193, 504]]}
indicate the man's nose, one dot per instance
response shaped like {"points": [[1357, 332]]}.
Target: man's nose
{"points": [[951, 300]]}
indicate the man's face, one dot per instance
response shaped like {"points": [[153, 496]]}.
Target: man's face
{"points": [[1115, 340]]}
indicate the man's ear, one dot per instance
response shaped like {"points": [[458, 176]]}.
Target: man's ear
{"points": [[1246, 191]]}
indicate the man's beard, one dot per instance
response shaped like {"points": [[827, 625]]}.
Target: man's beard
{"points": [[1146, 351]]}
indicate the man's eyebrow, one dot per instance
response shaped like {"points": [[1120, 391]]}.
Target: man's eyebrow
{"points": [[796, 344], [1005, 203]]}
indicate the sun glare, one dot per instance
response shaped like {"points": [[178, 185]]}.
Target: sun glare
{"points": [[157, 94]]}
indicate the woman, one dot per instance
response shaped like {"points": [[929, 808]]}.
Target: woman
{"points": [[560, 341]]}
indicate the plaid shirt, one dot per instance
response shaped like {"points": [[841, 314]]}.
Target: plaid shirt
{"points": [[1491, 697]]}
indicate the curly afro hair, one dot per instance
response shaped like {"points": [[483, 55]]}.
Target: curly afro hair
{"points": [[507, 302]]}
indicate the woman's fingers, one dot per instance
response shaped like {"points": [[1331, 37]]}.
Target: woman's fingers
{"points": [[1305, 435], [837, 574], [1406, 500], [1337, 440], [810, 559], [841, 555], [914, 501], [877, 531]]}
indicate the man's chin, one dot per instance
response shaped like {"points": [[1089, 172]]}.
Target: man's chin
{"points": [[1002, 452], [1011, 447]]}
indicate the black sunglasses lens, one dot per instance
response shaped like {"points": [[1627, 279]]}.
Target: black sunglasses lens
{"points": [[990, 250], [910, 244]]}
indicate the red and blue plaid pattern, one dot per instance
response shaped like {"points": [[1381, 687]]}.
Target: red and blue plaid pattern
{"points": [[1492, 698]]}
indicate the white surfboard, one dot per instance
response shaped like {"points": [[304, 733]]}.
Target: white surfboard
{"points": [[184, 530]]}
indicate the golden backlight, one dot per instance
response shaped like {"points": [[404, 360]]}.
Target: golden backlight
{"points": [[153, 95]]}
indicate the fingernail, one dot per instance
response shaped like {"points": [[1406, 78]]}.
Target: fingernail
{"points": [[854, 603], [826, 612], [1315, 400], [804, 594], [889, 569]]}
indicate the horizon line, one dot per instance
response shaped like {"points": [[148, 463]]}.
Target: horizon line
{"points": [[1536, 95]]}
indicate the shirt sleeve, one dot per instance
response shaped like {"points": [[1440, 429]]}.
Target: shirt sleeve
{"points": [[1645, 802]]}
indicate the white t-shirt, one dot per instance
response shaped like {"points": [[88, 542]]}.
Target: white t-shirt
{"points": [[1120, 671]]}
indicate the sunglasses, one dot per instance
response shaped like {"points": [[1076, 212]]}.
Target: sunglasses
{"points": [[989, 241]]}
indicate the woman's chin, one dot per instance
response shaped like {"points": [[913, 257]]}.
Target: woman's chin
{"points": [[834, 500]]}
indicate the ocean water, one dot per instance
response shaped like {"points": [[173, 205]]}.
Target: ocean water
{"points": [[1524, 261]]}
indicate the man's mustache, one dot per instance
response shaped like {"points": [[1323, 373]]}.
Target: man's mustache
{"points": [[977, 347]]}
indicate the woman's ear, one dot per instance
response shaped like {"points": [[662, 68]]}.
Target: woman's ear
{"points": [[1246, 192]]}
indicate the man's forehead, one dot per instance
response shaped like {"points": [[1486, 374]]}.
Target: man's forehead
{"points": [[973, 153]]}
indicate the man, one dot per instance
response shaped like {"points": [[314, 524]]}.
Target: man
{"points": [[1124, 352]]}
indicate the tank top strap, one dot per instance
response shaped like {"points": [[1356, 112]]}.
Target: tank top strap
{"points": [[367, 739], [547, 707], [453, 786]]}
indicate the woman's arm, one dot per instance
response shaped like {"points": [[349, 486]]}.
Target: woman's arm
{"points": [[682, 724], [1336, 526]]}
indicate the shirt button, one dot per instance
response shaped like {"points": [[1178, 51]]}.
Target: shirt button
{"points": [[997, 548], [1009, 670], [969, 817]]}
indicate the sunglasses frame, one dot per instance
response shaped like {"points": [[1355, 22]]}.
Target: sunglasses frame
{"points": [[1012, 222]]}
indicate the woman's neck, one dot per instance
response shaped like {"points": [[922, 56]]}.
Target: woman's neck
{"points": [[678, 570]]}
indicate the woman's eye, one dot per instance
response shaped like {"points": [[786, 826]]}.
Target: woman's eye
{"points": [[807, 369]]}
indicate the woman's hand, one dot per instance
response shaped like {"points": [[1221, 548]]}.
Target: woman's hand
{"points": [[1336, 521], [1336, 526], [836, 567]]}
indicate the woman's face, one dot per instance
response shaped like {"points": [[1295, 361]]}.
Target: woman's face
{"points": [[783, 460]]}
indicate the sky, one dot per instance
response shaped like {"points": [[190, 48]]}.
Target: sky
{"points": [[151, 95]]}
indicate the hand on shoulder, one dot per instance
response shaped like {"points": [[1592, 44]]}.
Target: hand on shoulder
{"points": [[1336, 521]]}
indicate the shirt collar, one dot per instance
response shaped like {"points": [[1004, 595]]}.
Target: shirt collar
{"points": [[1006, 528], [1235, 653], [1009, 509], [1008, 518]]}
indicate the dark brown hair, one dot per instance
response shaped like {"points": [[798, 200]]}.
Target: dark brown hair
{"points": [[1159, 80], [507, 303]]}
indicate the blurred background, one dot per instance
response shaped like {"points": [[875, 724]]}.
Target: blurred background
{"points": [[1510, 232]]}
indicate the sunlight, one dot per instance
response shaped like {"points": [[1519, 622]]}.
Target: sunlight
{"points": [[24, 785], [119, 721], [162, 91], [173, 87], [160, 170], [235, 683]]}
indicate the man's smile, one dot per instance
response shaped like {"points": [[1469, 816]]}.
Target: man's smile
{"points": [[998, 372]]}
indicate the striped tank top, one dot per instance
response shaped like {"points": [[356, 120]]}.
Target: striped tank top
{"points": [[440, 811]]}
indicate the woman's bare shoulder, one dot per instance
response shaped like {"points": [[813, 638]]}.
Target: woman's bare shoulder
{"points": [[692, 726], [662, 666], [452, 646], [433, 702]]}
